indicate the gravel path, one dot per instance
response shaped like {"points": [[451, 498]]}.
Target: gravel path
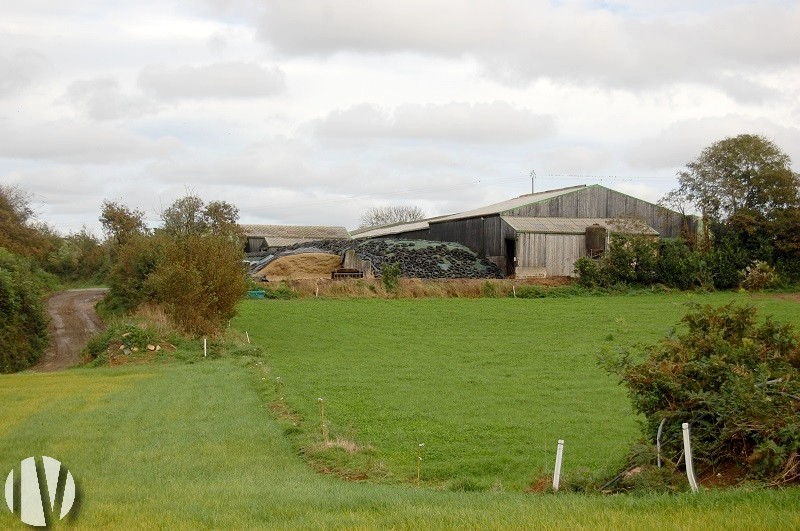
{"points": [[73, 321]]}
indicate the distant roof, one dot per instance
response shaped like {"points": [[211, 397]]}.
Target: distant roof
{"points": [[511, 204], [275, 233], [393, 228], [576, 225]]}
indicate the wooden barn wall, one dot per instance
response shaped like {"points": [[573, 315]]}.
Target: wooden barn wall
{"points": [[556, 253], [481, 235], [597, 202]]}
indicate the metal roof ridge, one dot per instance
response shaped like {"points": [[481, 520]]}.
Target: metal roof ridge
{"points": [[488, 210]]}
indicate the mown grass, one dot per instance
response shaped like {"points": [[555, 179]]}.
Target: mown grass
{"points": [[193, 446], [488, 385]]}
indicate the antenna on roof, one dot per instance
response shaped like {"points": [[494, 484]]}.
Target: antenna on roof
{"points": [[533, 178]]}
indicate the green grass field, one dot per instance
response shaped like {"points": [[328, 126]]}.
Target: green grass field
{"points": [[198, 445], [488, 385]]}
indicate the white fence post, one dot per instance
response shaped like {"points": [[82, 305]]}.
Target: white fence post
{"points": [[557, 473], [205, 348], [687, 450]]}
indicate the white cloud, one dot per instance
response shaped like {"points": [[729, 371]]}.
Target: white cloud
{"points": [[80, 142], [19, 70], [219, 80], [102, 99], [496, 122]]}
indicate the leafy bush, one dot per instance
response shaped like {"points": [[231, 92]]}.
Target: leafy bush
{"points": [[390, 276], [133, 264], [680, 267], [199, 281], [631, 259], [725, 262], [737, 382], [758, 276], [588, 271], [23, 323]]}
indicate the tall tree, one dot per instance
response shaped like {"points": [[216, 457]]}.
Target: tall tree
{"points": [[190, 215], [120, 223], [387, 215], [742, 173], [184, 217], [19, 231]]}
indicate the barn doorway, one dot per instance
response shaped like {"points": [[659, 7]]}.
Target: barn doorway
{"points": [[511, 256]]}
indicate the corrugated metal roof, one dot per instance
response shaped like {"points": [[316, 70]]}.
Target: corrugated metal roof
{"points": [[295, 232], [575, 225], [505, 206], [394, 228]]}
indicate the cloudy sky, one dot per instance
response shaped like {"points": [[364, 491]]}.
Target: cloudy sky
{"points": [[311, 111]]}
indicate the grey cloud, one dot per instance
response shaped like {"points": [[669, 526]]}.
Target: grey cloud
{"points": [[745, 91], [19, 71], [496, 122], [102, 99], [81, 142], [219, 80], [519, 41], [682, 142]]}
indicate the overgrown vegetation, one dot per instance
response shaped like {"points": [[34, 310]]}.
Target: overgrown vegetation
{"points": [[390, 276], [23, 322], [638, 260], [192, 266], [735, 379]]}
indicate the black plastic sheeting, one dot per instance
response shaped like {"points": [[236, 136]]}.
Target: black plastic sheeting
{"points": [[416, 258]]}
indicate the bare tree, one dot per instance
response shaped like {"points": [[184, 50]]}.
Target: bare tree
{"points": [[387, 215]]}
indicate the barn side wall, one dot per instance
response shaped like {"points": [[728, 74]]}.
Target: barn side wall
{"points": [[555, 254], [483, 235], [599, 202]]}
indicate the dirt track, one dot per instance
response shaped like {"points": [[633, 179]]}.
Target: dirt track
{"points": [[73, 321]]}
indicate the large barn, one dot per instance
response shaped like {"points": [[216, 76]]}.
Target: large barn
{"points": [[544, 233]]}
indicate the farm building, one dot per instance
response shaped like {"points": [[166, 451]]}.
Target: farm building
{"points": [[544, 233], [269, 238]]}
